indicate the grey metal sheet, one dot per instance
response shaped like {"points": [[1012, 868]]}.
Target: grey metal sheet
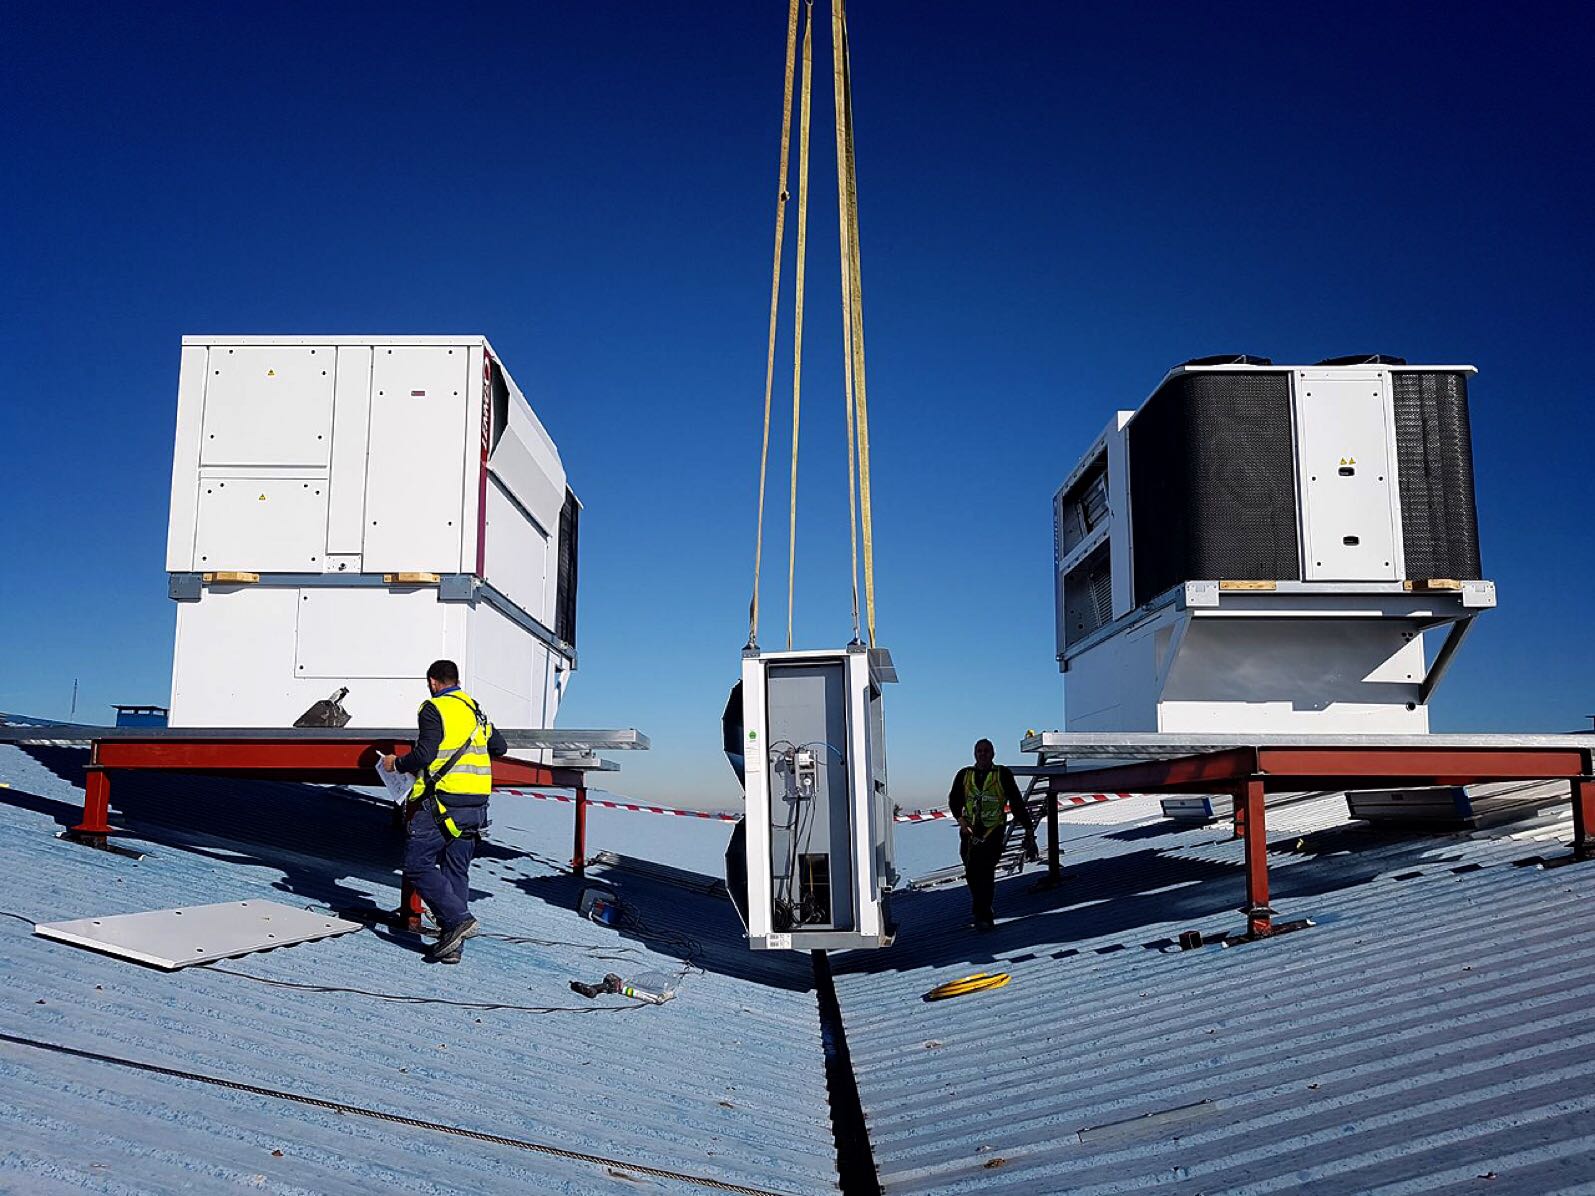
{"points": [[179, 938], [727, 1081], [1428, 1034], [577, 741], [1148, 745]]}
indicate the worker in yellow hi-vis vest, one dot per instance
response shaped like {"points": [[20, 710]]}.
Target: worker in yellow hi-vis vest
{"points": [[980, 799], [446, 811]]}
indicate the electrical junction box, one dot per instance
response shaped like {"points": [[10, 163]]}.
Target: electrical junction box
{"points": [[1262, 548], [817, 837], [344, 511]]}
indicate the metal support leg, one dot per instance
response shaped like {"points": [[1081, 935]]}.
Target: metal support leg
{"points": [[578, 858], [1259, 917], [1583, 818], [1054, 864], [96, 809]]}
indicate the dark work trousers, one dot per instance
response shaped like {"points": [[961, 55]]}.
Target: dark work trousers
{"points": [[439, 865], [980, 870]]}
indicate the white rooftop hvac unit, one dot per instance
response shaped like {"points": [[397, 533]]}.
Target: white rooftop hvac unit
{"points": [[345, 510], [1261, 548]]}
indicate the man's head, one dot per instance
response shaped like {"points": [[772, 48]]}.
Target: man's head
{"points": [[442, 674], [984, 753]]}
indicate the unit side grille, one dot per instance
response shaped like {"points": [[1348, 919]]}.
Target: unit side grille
{"points": [[1434, 465], [1087, 596], [1213, 483], [565, 594]]}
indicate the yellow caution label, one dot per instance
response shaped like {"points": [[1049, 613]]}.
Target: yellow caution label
{"points": [[262, 498], [271, 373]]}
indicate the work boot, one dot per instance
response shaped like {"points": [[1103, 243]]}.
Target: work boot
{"points": [[449, 941], [452, 957]]}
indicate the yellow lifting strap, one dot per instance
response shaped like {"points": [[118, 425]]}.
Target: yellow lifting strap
{"points": [[979, 982], [853, 311], [797, 314], [775, 304]]}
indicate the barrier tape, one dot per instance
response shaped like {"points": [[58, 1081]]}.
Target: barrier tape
{"points": [[1073, 799]]}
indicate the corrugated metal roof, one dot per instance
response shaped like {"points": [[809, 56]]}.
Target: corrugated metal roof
{"points": [[725, 1082], [1430, 1033]]}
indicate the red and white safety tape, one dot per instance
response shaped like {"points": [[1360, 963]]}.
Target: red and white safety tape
{"points": [[718, 816], [1073, 799]]}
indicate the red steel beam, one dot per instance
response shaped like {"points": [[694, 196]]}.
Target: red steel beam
{"points": [[1249, 799], [1206, 773], [1428, 765], [578, 855], [1584, 818]]}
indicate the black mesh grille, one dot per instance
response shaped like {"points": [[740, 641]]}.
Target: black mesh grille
{"points": [[1434, 463], [1087, 596], [1212, 482], [565, 596]]}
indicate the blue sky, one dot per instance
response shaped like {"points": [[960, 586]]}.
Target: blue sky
{"points": [[1058, 203]]}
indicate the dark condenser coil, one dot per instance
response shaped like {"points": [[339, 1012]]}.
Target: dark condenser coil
{"points": [[565, 595], [1434, 464], [1212, 482]]}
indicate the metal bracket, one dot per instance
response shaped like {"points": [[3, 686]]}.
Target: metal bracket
{"points": [[457, 587], [1442, 659], [185, 587]]}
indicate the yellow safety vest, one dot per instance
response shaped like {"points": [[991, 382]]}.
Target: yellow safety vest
{"points": [[984, 804], [472, 774]]}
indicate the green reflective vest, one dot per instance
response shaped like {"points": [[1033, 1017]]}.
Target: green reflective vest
{"points": [[985, 806], [472, 774]]}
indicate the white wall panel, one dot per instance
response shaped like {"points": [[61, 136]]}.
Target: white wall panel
{"points": [[263, 525], [415, 478], [370, 632], [517, 556], [351, 419], [184, 513], [1349, 508], [268, 406]]}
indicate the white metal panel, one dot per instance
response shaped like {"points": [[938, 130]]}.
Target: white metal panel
{"points": [[232, 660], [479, 442], [517, 555], [1344, 455], [268, 406], [177, 938], [1317, 675], [1120, 530], [184, 513], [345, 633], [415, 479], [233, 664], [351, 420], [509, 672], [263, 525]]}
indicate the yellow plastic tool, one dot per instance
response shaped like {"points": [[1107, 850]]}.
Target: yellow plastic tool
{"points": [[979, 982]]}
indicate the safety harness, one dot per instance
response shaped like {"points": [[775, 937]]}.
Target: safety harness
{"points": [[430, 779]]}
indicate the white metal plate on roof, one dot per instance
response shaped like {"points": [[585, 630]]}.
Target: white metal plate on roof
{"points": [[177, 938]]}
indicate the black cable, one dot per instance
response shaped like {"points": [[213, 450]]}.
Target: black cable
{"points": [[405, 999]]}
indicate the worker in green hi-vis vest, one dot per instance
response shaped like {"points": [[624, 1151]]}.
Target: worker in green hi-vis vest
{"points": [[980, 799]]}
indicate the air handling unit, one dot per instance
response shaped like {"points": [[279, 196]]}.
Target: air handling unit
{"points": [[346, 510], [1262, 548], [810, 866]]}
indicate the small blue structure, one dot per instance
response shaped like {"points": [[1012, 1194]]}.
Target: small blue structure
{"points": [[140, 716]]}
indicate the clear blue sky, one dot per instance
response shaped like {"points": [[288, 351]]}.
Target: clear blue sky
{"points": [[1058, 203]]}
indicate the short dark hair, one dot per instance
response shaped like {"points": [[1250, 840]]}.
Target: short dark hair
{"points": [[986, 743], [444, 672]]}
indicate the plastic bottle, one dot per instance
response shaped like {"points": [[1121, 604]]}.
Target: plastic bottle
{"points": [[653, 987]]}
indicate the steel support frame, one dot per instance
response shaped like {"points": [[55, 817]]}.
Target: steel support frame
{"points": [[312, 761], [1248, 774]]}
